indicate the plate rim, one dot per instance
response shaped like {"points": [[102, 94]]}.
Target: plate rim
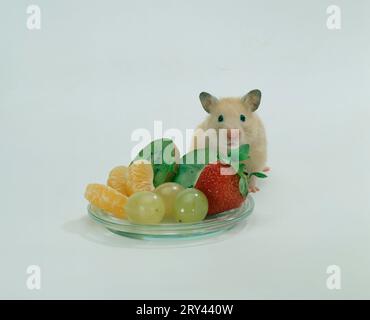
{"points": [[224, 218]]}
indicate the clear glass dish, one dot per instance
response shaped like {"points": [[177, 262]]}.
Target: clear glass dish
{"points": [[212, 225]]}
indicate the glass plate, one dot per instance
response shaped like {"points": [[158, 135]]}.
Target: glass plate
{"points": [[212, 225]]}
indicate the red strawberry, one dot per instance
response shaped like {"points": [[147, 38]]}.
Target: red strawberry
{"points": [[222, 190]]}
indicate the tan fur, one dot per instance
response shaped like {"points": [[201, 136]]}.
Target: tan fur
{"points": [[251, 131]]}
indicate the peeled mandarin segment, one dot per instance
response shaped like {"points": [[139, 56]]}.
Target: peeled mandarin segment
{"points": [[107, 199], [118, 179], [141, 176]]}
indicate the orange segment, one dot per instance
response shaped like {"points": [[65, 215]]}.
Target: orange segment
{"points": [[141, 176], [118, 179], [107, 199]]}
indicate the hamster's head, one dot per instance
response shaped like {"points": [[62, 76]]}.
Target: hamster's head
{"points": [[233, 113]]}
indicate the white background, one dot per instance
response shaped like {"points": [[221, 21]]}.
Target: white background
{"points": [[72, 93]]}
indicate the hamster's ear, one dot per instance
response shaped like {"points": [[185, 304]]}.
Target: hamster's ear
{"points": [[207, 100], [252, 99]]}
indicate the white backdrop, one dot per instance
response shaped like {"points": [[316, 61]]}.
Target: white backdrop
{"points": [[72, 92]]}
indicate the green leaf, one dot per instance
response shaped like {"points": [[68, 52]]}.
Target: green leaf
{"points": [[155, 152], [244, 152], [163, 173], [188, 174], [236, 156], [258, 174], [242, 167], [199, 157], [243, 186]]}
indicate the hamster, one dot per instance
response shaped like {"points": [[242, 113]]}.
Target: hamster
{"points": [[240, 114]]}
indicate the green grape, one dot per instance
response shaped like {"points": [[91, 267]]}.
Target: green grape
{"points": [[191, 205], [168, 192], [145, 207]]}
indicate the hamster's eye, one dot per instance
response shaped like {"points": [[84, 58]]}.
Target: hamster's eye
{"points": [[242, 117], [220, 118]]}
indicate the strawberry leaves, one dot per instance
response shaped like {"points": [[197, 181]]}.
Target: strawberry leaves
{"points": [[244, 152], [258, 175], [240, 167], [243, 185], [235, 157], [193, 163]]}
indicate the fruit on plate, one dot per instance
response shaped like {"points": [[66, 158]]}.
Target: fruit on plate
{"points": [[168, 192], [118, 179], [221, 178], [107, 199], [145, 207], [164, 157], [140, 176], [159, 185], [222, 191], [191, 205]]}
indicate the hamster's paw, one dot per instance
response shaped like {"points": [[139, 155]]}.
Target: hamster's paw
{"points": [[252, 185], [266, 169], [253, 189]]}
